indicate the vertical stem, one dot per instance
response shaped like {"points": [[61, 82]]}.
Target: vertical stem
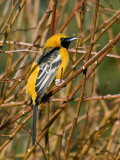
{"points": [[52, 30], [74, 122], [47, 108], [93, 30]]}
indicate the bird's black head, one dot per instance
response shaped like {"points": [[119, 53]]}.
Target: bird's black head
{"points": [[65, 42]]}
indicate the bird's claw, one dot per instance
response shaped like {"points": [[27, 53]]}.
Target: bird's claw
{"points": [[59, 82]]}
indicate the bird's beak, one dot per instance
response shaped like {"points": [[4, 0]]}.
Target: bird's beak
{"points": [[71, 39]]}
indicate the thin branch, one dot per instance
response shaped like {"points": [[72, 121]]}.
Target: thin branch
{"points": [[71, 16]]}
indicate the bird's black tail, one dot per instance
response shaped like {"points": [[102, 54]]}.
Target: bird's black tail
{"points": [[35, 113]]}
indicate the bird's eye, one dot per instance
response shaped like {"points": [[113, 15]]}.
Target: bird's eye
{"points": [[62, 39]]}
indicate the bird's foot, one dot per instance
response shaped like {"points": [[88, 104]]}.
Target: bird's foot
{"points": [[59, 82]]}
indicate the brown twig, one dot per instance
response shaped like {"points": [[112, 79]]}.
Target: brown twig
{"points": [[71, 16]]}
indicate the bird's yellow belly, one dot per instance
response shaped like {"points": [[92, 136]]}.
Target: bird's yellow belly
{"points": [[32, 81]]}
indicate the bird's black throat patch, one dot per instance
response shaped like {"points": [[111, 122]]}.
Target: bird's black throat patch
{"points": [[64, 42]]}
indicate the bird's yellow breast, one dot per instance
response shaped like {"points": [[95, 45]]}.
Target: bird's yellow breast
{"points": [[64, 62], [32, 81]]}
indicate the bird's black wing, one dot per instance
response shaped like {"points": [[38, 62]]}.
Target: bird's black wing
{"points": [[48, 62]]}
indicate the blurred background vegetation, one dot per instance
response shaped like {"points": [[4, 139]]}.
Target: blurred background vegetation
{"points": [[93, 132]]}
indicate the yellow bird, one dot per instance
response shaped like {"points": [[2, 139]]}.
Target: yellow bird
{"points": [[48, 64]]}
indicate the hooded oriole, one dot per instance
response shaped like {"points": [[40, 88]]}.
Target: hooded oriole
{"points": [[48, 64]]}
